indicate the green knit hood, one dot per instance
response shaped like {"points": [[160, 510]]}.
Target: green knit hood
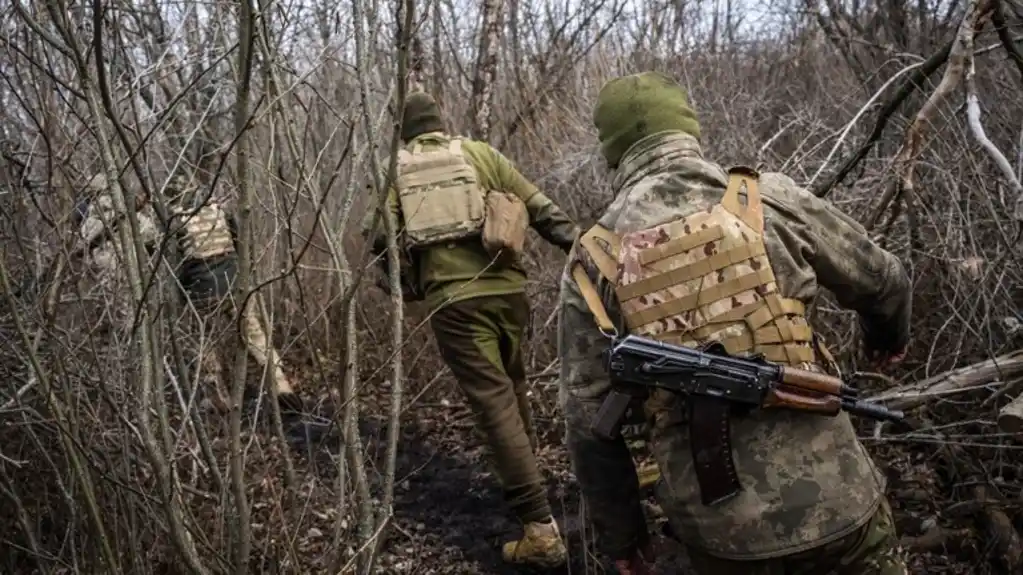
{"points": [[422, 115], [630, 108]]}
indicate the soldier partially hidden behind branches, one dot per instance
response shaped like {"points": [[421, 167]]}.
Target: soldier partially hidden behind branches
{"points": [[99, 244], [207, 239]]}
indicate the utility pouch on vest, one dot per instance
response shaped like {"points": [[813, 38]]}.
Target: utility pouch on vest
{"points": [[700, 279], [504, 227], [439, 194]]}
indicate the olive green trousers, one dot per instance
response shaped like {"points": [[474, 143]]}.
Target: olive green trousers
{"points": [[481, 341], [870, 550]]}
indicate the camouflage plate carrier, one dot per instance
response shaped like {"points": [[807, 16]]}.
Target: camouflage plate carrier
{"points": [[440, 196], [704, 277]]}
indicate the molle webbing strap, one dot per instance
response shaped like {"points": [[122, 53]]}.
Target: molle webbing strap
{"points": [[606, 264], [602, 246], [680, 245], [697, 269], [701, 298], [790, 353], [432, 168]]}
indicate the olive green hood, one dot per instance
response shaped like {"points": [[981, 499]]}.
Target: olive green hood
{"points": [[630, 108], [422, 115]]}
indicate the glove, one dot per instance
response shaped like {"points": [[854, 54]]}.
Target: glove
{"points": [[883, 359]]}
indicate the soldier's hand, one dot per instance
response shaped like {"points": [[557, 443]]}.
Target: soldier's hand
{"points": [[884, 359]]}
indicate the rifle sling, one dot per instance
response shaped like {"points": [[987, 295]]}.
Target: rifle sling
{"points": [[710, 439]]}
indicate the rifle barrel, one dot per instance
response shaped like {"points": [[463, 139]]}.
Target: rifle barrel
{"points": [[872, 410]]}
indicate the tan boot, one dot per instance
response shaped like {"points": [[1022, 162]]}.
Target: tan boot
{"points": [[540, 546], [648, 475]]}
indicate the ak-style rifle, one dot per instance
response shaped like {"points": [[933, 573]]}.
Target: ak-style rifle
{"points": [[714, 383]]}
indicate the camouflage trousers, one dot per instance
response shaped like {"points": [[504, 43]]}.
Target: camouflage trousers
{"points": [[870, 550], [217, 358], [481, 340]]}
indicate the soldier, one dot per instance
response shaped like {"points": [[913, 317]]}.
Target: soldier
{"points": [[99, 242], [207, 238], [478, 305], [739, 269]]}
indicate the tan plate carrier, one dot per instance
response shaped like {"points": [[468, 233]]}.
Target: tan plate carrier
{"points": [[206, 234], [440, 196]]}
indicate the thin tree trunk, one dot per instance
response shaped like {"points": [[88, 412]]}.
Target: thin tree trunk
{"points": [[486, 69]]}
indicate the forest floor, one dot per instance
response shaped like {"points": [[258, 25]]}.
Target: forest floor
{"points": [[450, 519]]}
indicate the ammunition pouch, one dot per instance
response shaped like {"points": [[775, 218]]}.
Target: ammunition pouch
{"points": [[504, 227]]}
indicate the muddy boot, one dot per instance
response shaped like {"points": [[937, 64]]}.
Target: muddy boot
{"points": [[648, 474], [540, 546]]}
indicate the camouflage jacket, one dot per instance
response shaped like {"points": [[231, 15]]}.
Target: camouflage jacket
{"points": [[806, 479], [98, 234], [461, 270]]}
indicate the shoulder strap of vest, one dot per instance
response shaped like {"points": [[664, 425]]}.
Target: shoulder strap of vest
{"points": [[602, 245], [607, 266], [753, 212], [592, 298]]}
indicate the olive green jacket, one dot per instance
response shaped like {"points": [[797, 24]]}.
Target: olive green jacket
{"points": [[461, 270]]}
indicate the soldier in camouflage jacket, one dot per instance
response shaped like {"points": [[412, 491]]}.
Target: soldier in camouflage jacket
{"points": [[812, 501], [99, 242]]}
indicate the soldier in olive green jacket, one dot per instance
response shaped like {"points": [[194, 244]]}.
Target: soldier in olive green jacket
{"points": [[811, 500], [479, 307]]}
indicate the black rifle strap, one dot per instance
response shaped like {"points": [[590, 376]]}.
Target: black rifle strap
{"points": [[710, 440]]}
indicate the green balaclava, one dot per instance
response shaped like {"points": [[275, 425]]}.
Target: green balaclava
{"points": [[630, 108], [422, 115]]}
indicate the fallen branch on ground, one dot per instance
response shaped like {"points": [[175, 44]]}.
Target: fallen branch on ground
{"points": [[1010, 418], [1002, 368]]}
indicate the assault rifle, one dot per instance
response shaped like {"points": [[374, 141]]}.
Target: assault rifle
{"points": [[715, 383]]}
